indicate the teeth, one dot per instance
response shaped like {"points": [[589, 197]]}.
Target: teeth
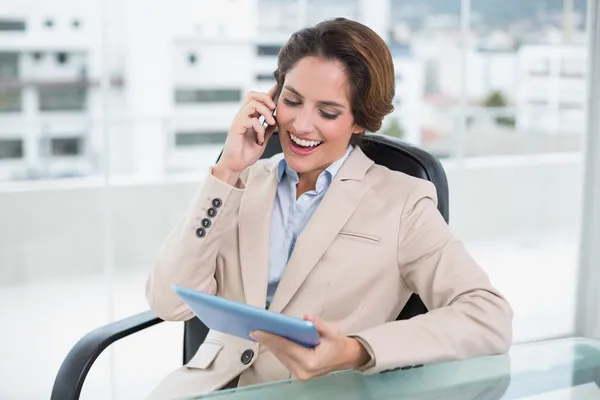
{"points": [[305, 143]]}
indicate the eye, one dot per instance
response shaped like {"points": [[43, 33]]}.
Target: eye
{"points": [[290, 103], [328, 116]]}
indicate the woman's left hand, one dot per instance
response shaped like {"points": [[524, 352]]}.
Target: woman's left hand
{"points": [[335, 351]]}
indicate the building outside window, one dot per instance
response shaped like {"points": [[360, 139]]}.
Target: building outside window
{"points": [[189, 139], [267, 50], [9, 65], [12, 25], [191, 96], [62, 98], [66, 147], [11, 149], [10, 100]]}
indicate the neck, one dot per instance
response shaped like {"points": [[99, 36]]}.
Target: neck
{"points": [[307, 181]]}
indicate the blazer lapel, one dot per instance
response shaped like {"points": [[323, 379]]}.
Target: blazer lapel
{"points": [[338, 204], [254, 227]]}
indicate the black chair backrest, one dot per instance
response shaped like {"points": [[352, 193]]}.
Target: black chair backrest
{"points": [[383, 150]]}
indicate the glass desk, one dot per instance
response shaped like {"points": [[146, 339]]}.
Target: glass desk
{"points": [[553, 370]]}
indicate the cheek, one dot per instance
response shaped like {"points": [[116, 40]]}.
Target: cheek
{"points": [[336, 130], [284, 115]]}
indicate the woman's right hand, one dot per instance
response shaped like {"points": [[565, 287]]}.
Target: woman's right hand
{"points": [[242, 148]]}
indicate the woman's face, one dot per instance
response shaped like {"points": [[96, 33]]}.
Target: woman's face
{"points": [[314, 116]]}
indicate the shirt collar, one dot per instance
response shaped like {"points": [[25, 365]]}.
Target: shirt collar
{"points": [[331, 171]]}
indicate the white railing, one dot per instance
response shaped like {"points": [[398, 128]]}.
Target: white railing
{"points": [[54, 228]]}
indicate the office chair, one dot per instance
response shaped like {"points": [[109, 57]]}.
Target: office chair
{"points": [[383, 150]]}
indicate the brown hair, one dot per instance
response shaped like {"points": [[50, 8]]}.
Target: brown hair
{"points": [[364, 55]]}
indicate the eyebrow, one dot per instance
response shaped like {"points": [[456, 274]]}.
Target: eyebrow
{"points": [[324, 102]]}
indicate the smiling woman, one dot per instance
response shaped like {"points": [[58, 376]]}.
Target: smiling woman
{"points": [[323, 233]]}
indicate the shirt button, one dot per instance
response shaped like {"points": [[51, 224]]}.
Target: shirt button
{"points": [[247, 356], [305, 197]]}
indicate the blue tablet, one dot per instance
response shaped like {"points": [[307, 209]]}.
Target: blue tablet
{"points": [[239, 319]]}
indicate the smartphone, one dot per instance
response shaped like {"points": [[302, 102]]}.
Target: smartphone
{"points": [[262, 119]]}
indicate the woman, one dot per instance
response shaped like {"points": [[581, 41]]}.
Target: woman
{"points": [[323, 233]]}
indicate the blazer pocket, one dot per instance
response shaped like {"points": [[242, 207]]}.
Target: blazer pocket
{"points": [[361, 237], [205, 355]]}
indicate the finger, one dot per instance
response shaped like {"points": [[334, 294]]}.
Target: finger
{"points": [[282, 345], [256, 107], [258, 128], [264, 98], [287, 362], [269, 132], [269, 339], [323, 328]]}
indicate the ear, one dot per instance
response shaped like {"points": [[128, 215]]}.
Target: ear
{"points": [[357, 129]]}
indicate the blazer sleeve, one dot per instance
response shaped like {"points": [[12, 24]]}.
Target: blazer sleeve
{"points": [[188, 259], [467, 316]]}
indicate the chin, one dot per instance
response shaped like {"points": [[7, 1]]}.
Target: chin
{"points": [[299, 163]]}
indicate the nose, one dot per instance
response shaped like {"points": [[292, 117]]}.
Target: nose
{"points": [[303, 123]]}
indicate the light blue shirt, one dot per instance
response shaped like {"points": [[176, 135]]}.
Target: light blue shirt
{"points": [[290, 216]]}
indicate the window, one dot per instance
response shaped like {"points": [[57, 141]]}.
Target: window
{"points": [[571, 98], [572, 68], [265, 78], [63, 98], [10, 100], [267, 50], [188, 139], [76, 24], [66, 147], [49, 23], [539, 67], [538, 102], [278, 16], [570, 105], [9, 65], [320, 10], [12, 25], [62, 58], [192, 58], [11, 149], [191, 96]]}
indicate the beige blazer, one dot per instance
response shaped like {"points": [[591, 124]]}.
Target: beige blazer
{"points": [[376, 238]]}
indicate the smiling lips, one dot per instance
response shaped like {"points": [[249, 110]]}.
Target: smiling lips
{"points": [[303, 147]]}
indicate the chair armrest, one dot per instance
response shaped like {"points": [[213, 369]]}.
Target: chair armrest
{"points": [[75, 367]]}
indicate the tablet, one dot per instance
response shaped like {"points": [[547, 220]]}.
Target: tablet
{"points": [[239, 319]]}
